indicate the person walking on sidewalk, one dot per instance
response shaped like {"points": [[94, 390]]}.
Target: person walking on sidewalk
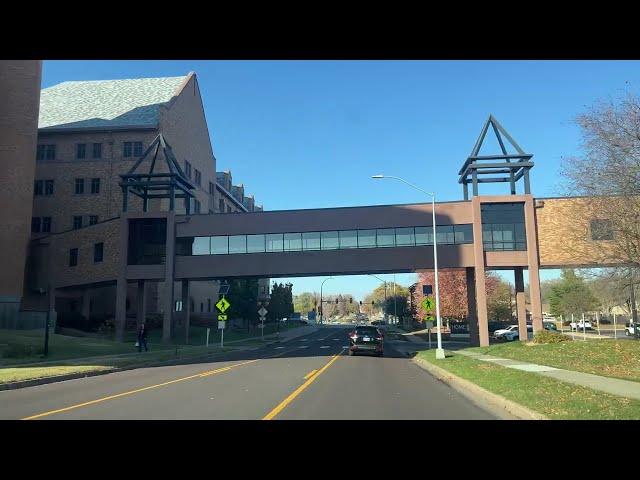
{"points": [[142, 338]]}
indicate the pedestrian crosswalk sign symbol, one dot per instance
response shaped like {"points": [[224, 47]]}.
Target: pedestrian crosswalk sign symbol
{"points": [[427, 303], [223, 305]]}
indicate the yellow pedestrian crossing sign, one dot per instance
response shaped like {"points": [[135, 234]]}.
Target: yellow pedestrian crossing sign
{"points": [[427, 303], [223, 305]]}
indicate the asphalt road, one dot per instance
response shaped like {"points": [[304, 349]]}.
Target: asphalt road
{"points": [[306, 378]]}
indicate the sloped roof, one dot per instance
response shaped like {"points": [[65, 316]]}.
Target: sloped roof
{"points": [[131, 103]]}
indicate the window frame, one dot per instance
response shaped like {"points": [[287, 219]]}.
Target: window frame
{"points": [[79, 182], [96, 250]]}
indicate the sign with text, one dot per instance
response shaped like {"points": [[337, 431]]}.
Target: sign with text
{"points": [[221, 325]]}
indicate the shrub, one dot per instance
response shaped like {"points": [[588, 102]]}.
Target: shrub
{"points": [[18, 350], [546, 336]]}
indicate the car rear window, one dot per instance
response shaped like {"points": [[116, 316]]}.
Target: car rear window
{"points": [[366, 331]]}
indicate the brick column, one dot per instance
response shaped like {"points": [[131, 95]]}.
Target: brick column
{"points": [[520, 304], [534, 263], [86, 303], [472, 310], [186, 308], [141, 306], [168, 277], [481, 292]]}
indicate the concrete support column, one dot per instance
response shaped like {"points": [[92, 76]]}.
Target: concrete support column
{"points": [[186, 308], [472, 310], [481, 292], [520, 304], [534, 262], [141, 303], [121, 308], [169, 277], [121, 282], [86, 303]]}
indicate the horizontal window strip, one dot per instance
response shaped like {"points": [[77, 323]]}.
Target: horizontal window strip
{"points": [[325, 240]]}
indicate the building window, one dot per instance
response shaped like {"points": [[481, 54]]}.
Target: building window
{"points": [[228, 208], [221, 205], [93, 219], [187, 169], [198, 177], [77, 222], [47, 152], [95, 185], [201, 307], [208, 304], [502, 227], [37, 187], [79, 186], [48, 187], [97, 150], [137, 149], [212, 188], [196, 206], [601, 230], [274, 242], [35, 224], [238, 244], [73, 257], [128, 149], [46, 224], [81, 150], [98, 252]]}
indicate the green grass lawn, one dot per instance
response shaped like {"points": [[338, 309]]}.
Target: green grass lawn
{"points": [[610, 358], [552, 398]]}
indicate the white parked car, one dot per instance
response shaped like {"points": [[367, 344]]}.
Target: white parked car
{"points": [[630, 330], [510, 333], [581, 326]]}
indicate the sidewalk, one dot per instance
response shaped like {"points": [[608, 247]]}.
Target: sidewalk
{"points": [[614, 386]]}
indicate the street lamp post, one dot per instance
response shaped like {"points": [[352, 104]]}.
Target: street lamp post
{"points": [[321, 306], [439, 350]]}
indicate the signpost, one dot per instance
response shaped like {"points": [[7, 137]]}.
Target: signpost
{"points": [[262, 312], [222, 306]]}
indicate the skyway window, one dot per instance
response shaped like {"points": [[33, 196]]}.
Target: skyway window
{"points": [[332, 240]]}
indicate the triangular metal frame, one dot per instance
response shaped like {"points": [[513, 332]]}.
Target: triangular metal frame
{"points": [[509, 167], [170, 185]]}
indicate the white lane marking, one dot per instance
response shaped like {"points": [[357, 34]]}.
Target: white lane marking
{"points": [[324, 346], [336, 339], [304, 346], [303, 340], [278, 348], [345, 346]]}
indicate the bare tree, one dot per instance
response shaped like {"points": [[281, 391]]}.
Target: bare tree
{"points": [[609, 172]]}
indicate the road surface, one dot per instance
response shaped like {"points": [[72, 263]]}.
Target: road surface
{"points": [[310, 377]]}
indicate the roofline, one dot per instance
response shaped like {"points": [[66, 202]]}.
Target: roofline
{"points": [[96, 129], [226, 192]]}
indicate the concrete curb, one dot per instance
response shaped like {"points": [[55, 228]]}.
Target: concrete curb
{"points": [[493, 402]]}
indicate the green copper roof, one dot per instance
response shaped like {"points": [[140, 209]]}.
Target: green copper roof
{"points": [[106, 103]]}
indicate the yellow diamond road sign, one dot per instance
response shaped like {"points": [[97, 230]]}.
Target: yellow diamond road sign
{"points": [[223, 305], [427, 303]]}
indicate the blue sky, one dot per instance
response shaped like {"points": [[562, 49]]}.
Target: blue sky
{"points": [[305, 134]]}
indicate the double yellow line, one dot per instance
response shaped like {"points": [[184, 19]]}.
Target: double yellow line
{"points": [[311, 378]]}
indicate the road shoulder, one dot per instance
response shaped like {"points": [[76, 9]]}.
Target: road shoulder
{"points": [[502, 407]]}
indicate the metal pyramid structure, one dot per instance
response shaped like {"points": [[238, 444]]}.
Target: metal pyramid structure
{"points": [[503, 166], [171, 183]]}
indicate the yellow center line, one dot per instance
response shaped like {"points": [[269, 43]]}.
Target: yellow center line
{"points": [[310, 374], [301, 388], [131, 392]]}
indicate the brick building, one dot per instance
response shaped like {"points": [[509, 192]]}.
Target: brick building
{"points": [[88, 134]]}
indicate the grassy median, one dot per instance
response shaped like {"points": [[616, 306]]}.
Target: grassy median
{"points": [[609, 358], [552, 398]]}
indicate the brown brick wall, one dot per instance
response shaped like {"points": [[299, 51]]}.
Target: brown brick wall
{"points": [[19, 106], [564, 234]]}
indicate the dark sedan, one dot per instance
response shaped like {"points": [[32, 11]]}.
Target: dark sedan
{"points": [[366, 339]]}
